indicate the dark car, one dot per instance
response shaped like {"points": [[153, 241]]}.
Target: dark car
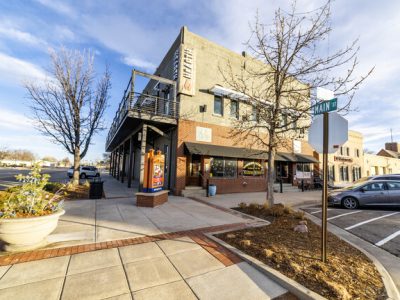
{"points": [[369, 193]]}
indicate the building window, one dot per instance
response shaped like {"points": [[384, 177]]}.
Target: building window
{"points": [[235, 109], [252, 168], [218, 107], [331, 173], [357, 152], [223, 167], [344, 173], [284, 120], [254, 113], [347, 151], [356, 173]]}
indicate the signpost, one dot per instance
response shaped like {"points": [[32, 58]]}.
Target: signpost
{"points": [[329, 145]]}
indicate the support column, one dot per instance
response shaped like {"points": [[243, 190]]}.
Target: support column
{"points": [[131, 161], [110, 166], [123, 162], [118, 162], [142, 157], [114, 170]]}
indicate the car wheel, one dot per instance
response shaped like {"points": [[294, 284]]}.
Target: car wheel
{"points": [[350, 203], [83, 176]]}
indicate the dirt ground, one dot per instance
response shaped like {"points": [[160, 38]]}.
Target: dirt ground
{"points": [[348, 273]]}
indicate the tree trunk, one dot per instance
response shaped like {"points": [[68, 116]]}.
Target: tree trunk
{"points": [[270, 177], [77, 162]]}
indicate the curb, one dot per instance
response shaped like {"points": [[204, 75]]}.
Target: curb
{"points": [[391, 289], [292, 286]]}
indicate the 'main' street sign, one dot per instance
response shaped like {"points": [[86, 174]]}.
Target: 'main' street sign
{"points": [[325, 106]]}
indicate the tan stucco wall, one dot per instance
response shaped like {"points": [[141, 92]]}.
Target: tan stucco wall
{"points": [[379, 165]]}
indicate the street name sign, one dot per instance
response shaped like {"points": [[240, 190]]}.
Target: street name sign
{"points": [[325, 106], [338, 132]]}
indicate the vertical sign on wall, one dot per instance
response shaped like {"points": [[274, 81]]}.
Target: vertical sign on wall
{"points": [[187, 71]]}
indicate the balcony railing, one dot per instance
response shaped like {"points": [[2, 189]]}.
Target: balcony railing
{"points": [[142, 103]]}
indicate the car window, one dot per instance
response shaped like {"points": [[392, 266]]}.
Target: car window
{"points": [[382, 178], [393, 185], [393, 178], [86, 169], [376, 186]]}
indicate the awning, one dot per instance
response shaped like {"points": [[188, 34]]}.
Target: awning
{"points": [[223, 91], [214, 150], [296, 157]]}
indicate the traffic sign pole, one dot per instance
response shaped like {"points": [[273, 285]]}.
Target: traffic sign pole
{"points": [[325, 186]]}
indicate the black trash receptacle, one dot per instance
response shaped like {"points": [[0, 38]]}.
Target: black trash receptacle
{"points": [[96, 189]]}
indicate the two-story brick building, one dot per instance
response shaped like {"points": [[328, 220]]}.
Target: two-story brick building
{"points": [[186, 110]]}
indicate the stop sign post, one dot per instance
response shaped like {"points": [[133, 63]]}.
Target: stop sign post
{"points": [[328, 139]]}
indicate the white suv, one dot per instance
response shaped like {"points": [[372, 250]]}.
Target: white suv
{"points": [[84, 172]]}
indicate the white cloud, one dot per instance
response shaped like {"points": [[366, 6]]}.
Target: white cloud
{"points": [[15, 70], [15, 121], [21, 36], [58, 6]]}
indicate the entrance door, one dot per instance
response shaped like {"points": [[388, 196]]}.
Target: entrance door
{"points": [[194, 171]]}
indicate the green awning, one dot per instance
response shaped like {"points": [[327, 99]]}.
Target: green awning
{"points": [[235, 152]]}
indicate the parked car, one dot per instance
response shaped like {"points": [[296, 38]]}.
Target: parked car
{"points": [[379, 177], [85, 172], [369, 193]]}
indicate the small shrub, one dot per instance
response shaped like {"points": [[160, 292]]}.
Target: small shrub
{"points": [[30, 199], [13, 189], [268, 252], [299, 215], [86, 183], [242, 205], [277, 210], [288, 210], [254, 206], [53, 187], [231, 236], [245, 243]]}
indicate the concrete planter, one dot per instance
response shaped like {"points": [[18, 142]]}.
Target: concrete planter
{"points": [[23, 234]]}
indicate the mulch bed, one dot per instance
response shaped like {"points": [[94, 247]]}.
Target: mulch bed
{"points": [[348, 273]]}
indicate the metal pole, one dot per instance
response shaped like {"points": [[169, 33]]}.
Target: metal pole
{"points": [[281, 185], [325, 187]]}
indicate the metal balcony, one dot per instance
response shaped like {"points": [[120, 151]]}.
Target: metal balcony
{"points": [[145, 105]]}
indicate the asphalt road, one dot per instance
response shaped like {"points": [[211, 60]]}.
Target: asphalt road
{"points": [[7, 175], [378, 226]]}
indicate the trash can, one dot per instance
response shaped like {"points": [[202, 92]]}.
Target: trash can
{"points": [[96, 188], [212, 190]]}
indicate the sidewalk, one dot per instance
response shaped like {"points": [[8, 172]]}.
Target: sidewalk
{"points": [[168, 269], [287, 198], [140, 253]]}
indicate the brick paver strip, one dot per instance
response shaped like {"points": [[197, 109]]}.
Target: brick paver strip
{"points": [[219, 252]]}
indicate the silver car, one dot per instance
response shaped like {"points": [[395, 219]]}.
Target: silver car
{"points": [[84, 172], [370, 193]]}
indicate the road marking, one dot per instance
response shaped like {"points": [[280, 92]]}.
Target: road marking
{"points": [[345, 214], [387, 239], [370, 220], [318, 211]]}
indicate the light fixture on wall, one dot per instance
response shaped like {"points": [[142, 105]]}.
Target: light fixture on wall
{"points": [[203, 108]]}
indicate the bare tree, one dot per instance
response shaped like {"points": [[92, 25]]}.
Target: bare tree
{"points": [[69, 107], [279, 77]]}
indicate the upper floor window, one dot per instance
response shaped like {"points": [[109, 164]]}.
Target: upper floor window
{"points": [[218, 106], [357, 152], [235, 109], [254, 113]]}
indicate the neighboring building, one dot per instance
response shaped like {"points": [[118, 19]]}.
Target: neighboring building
{"points": [[15, 163], [185, 111], [346, 165], [387, 161]]}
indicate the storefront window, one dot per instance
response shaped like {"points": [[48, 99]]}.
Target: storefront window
{"points": [[344, 173], [252, 168], [303, 170], [223, 167]]}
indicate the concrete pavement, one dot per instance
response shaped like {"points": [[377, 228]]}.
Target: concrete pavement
{"points": [[168, 269], [288, 198]]}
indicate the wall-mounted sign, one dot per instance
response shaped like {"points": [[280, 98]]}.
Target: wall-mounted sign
{"points": [[296, 146], [203, 134], [342, 158], [252, 168], [187, 71]]}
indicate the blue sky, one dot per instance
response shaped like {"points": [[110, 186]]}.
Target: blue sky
{"points": [[126, 34]]}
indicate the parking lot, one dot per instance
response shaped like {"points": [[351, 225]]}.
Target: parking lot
{"points": [[380, 227], [7, 175]]}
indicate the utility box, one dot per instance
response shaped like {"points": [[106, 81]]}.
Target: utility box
{"points": [[96, 189]]}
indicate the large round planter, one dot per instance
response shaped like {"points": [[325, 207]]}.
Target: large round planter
{"points": [[23, 234]]}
